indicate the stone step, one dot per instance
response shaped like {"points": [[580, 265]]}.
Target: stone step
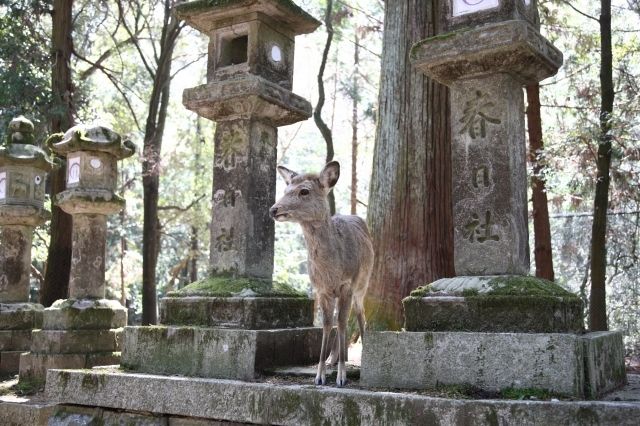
{"points": [[20, 316], [263, 403], [15, 340], [75, 341], [34, 366]]}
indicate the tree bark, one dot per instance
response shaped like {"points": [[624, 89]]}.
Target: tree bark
{"points": [[541, 228], [154, 130], [317, 112], [56, 279], [354, 127], [193, 265], [597, 299], [410, 207]]}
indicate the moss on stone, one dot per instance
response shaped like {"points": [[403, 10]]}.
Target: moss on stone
{"points": [[229, 286], [526, 286], [528, 393], [421, 291]]}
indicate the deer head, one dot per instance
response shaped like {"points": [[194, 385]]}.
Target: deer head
{"points": [[305, 198]]}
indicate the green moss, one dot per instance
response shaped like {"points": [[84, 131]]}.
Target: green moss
{"points": [[526, 286], [528, 393], [29, 386], [470, 292], [228, 286], [421, 291], [440, 37]]}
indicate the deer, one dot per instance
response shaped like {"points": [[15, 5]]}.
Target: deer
{"points": [[340, 255]]}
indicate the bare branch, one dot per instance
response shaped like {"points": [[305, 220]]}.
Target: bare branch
{"points": [[586, 15]]}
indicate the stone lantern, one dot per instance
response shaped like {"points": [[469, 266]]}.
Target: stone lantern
{"points": [[23, 171], [228, 324], [83, 330], [492, 326]]}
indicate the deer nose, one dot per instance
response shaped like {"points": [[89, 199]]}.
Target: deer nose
{"points": [[273, 211]]}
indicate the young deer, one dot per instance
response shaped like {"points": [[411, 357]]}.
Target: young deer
{"points": [[340, 254]]}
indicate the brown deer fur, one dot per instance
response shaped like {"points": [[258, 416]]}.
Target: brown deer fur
{"points": [[340, 254]]}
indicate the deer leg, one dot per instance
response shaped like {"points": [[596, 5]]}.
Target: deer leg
{"points": [[344, 306], [326, 305]]}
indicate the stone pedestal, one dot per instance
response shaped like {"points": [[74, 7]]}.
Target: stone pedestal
{"points": [[23, 169], [84, 330]]}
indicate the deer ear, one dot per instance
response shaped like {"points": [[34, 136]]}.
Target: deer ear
{"points": [[286, 174], [330, 174]]}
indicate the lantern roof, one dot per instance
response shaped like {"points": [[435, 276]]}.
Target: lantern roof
{"points": [[83, 137]]}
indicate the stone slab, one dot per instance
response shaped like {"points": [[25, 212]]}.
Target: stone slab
{"points": [[18, 412], [10, 362], [84, 314], [221, 353], [513, 47], [34, 366], [488, 361], [253, 313], [516, 314], [20, 316], [604, 362], [260, 403], [15, 340], [75, 341]]}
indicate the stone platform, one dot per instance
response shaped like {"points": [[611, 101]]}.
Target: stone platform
{"points": [[113, 397], [16, 322], [575, 365], [217, 352]]}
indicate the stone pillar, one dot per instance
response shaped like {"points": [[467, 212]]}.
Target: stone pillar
{"points": [[23, 169], [84, 330]]}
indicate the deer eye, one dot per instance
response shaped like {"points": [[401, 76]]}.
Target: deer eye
{"points": [[304, 191]]}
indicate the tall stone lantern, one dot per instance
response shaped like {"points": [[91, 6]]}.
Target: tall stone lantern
{"points": [[84, 330], [492, 326], [23, 171], [230, 324]]}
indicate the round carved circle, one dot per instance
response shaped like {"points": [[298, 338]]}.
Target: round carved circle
{"points": [[276, 53], [472, 2], [37, 180], [95, 163]]}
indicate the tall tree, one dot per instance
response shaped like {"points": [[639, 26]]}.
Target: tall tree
{"points": [[159, 71], [354, 124], [409, 211], [56, 278], [541, 227], [597, 298]]}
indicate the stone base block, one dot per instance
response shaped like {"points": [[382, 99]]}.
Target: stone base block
{"points": [[221, 353], [15, 340], [20, 316], [515, 314], [84, 314], [10, 362], [17, 412], [75, 341], [261, 403], [34, 366], [493, 361], [253, 313]]}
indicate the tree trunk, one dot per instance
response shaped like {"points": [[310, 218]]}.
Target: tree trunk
{"points": [[410, 210], [541, 227], [317, 112], [597, 299], [56, 279], [193, 272], [354, 128], [154, 130]]}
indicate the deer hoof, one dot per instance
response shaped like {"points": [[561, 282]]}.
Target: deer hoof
{"points": [[341, 382], [320, 381]]}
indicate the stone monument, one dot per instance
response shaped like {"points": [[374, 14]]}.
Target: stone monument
{"points": [[84, 330], [237, 322], [492, 326], [23, 171]]}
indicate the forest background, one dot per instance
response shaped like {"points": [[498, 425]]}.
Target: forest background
{"points": [[129, 62]]}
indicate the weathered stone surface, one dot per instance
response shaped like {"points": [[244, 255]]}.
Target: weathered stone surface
{"points": [[221, 353], [19, 413], [70, 314], [512, 47], [309, 405], [75, 341], [72, 416], [34, 366], [25, 215], [244, 173], [462, 14], [20, 316], [91, 138], [89, 237], [15, 263], [245, 98], [10, 362], [490, 361], [604, 362], [89, 201], [253, 313], [15, 340]]}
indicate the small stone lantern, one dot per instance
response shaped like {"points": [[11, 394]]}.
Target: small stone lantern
{"points": [[23, 171], [88, 325]]}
